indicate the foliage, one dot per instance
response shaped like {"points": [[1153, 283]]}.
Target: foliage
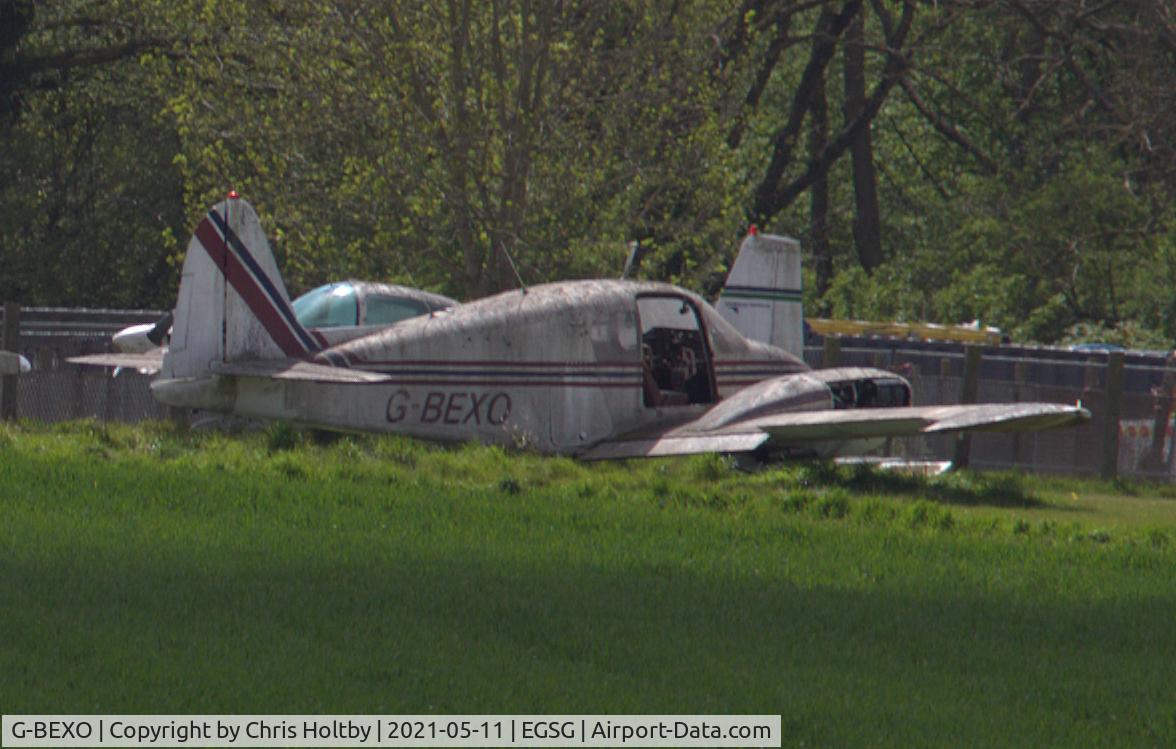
{"points": [[438, 148], [89, 201], [1022, 151]]}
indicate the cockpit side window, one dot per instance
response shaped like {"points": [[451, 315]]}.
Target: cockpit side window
{"points": [[676, 368], [331, 306], [385, 310]]}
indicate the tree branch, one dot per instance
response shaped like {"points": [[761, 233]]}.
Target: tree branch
{"points": [[945, 128], [829, 29], [24, 69], [893, 72]]}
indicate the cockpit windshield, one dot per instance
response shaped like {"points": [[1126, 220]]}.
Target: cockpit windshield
{"points": [[331, 306]]}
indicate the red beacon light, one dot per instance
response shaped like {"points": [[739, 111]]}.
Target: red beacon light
{"points": [[233, 195]]}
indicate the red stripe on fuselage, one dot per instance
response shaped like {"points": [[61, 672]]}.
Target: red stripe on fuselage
{"points": [[506, 384], [354, 358], [248, 289]]}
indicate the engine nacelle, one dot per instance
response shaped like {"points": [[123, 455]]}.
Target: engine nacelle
{"points": [[862, 387], [794, 392], [845, 387]]}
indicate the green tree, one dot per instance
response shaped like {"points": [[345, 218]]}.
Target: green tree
{"points": [[439, 145], [88, 201], [1007, 160]]}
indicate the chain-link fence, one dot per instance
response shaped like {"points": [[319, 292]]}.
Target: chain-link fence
{"points": [[57, 390], [81, 393]]}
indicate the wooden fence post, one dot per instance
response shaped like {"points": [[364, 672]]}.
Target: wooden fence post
{"points": [[1114, 400], [831, 356], [11, 343], [1018, 396], [969, 392], [944, 394]]}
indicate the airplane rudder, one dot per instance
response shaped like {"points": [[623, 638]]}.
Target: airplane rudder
{"points": [[260, 322], [239, 223], [233, 304], [197, 330]]}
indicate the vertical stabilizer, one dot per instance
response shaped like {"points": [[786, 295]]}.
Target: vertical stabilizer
{"points": [[762, 295], [233, 305]]}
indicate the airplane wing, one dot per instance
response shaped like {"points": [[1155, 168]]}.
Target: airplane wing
{"points": [[798, 428], [865, 423], [148, 363]]}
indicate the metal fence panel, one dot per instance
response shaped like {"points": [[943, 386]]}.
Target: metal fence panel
{"points": [[1011, 375]]}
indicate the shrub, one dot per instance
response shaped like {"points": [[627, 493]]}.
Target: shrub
{"points": [[282, 435]]}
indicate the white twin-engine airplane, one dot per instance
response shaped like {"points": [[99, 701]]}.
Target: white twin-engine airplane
{"points": [[596, 369]]}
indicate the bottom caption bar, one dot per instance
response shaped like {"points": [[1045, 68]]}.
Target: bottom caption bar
{"points": [[389, 730]]}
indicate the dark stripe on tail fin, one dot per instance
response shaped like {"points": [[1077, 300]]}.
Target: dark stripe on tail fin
{"points": [[246, 284], [276, 298]]}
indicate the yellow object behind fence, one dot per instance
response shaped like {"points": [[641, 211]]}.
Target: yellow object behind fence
{"points": [[910, 331]]}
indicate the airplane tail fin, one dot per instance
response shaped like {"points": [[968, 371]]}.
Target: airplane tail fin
{"points": [[232, 305], [762, 295]]}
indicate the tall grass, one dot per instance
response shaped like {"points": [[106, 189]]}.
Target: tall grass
{"points": [[148, 571]]}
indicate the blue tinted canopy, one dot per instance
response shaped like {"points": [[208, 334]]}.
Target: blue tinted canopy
{"points": [[330, 306]]}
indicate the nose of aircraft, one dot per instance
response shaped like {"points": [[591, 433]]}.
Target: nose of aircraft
{"points": [[11, 364], [134, 340]]}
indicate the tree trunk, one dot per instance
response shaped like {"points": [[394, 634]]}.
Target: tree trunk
{"points": [[819, 192], [768, 200], [867, 230]]}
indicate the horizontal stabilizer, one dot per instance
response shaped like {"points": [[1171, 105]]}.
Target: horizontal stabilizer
{"points": [[295, 369], [147, 363]]}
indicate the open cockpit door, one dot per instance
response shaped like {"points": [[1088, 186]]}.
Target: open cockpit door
{"points": [[676, 358]]}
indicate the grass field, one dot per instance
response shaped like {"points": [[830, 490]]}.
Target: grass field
{"points": [[144, 571]]}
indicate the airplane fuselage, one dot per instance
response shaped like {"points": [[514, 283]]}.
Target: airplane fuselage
{"points": [[557, 368]]}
